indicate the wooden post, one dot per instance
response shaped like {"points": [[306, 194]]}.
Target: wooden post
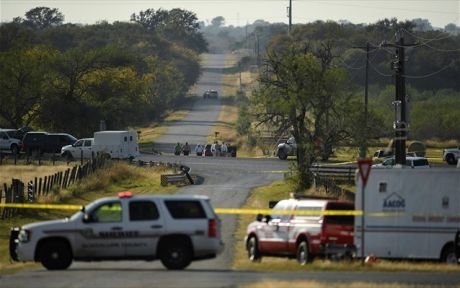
{"points": [[45, 182], [35, 188], [39, 186]]}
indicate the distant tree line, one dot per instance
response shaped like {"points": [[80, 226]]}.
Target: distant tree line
{"points": [[67, 77]]}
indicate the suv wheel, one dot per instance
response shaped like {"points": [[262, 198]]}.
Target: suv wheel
{"points": [[253, 250], [450, 159], [14, 149], [55, 255], [176, 255], [303, 256], [282, 154]]}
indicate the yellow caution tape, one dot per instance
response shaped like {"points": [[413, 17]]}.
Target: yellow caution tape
{"points": [[287, 212], [41, 206], [232, 211]]}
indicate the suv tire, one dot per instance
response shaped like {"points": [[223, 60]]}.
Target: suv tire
{"points": [[302, 255], [450, 159], [55, 255], [282, 154], [176, 255], [253, 250], [14, 149]]}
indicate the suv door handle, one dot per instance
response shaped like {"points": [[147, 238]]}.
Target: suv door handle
{"points": [[156, 226], [116, 228]]}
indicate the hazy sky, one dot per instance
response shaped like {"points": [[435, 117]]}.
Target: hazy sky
{"points": [[240, 12]]}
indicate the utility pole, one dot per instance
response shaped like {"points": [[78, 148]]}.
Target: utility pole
{"points": [[400, 125], [363, 146], [290, 16]]}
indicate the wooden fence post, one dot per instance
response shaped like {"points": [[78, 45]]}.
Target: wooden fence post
{"points": [[39, 186]]}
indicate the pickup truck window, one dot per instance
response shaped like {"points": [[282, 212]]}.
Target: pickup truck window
{"points": [[185, 209], [107, 212], [79, 143], [340, 219], [87, 143], [309, 208], [143, 211]]}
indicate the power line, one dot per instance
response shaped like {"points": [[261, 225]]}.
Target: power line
{"points": [[430, 74]]}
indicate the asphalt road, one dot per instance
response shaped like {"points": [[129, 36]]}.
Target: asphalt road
{"points": [[228, 182], [197, 125]]}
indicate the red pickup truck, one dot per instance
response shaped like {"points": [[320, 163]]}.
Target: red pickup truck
{"points": [[302, 236]]}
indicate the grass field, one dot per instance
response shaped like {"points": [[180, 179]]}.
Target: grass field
{"points": [[106, 182], [280, 190], [26, 173]]}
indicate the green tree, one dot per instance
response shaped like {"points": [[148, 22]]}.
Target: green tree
{"points": [[297, 91], [43, 17], [23, 78], [176, 25]]}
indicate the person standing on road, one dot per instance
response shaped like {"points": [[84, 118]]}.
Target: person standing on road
{"points": [[213, 148], [199, 150], [218, 149], [177, 149], [186, 149], [224, 149]]}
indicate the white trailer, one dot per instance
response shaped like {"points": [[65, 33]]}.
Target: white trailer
{"points": [[425, 204], [117, 144]]}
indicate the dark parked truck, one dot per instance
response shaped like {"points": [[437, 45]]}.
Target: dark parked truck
{"points": [[174, 229], [286, 234]]}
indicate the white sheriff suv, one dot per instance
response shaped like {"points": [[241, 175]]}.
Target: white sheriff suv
{"points": [[176, 229]]}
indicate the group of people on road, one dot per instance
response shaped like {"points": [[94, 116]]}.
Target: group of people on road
{"points": [[178, 149], [216, 149]]}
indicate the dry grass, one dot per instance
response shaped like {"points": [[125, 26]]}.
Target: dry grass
{"points": [[26, 173], [316, 284]]}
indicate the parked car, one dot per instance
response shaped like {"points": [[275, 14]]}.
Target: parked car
{"points": [[44, 142], [301, 236], [451, 155], [176, 229], [411, 161], [210, 94], [9, 140], [288, 148]]}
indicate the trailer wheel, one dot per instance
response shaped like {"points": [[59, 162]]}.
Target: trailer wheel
{"points": [[448, 254]]}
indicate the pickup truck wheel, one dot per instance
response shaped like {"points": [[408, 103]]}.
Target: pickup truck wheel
{"points": [[176, 255], [253, 250], [450, 159], [282, 154], [68, 156], [55, 255], [303, 256]]}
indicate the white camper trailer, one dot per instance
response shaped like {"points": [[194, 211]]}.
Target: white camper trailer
{"points": [[409, 213], [118, 144]]}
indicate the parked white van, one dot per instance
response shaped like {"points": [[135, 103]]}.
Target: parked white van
{"points": [[117, 144]]}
